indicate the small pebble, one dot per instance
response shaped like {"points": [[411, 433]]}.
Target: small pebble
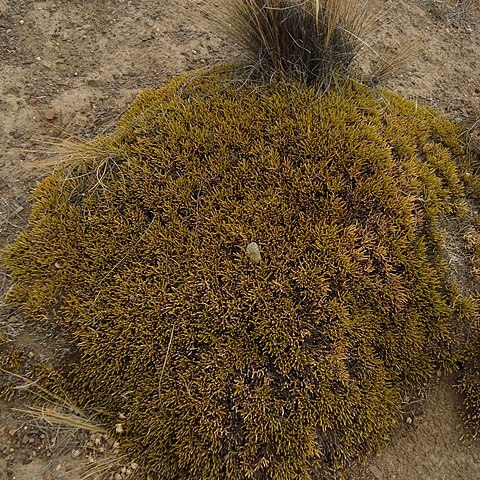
{"points": [[253, 252], [49, 113], [376, 472]]}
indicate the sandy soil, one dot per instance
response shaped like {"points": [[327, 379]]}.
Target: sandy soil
{"points": [[71, 67]]}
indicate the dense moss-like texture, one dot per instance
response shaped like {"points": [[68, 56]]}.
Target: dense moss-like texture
{"points": [[218, 366], [469, 383], [10, 360]]}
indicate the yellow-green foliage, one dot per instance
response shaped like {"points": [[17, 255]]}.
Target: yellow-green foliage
{"points": [[10, 359], [218, 367], [469, 382]]}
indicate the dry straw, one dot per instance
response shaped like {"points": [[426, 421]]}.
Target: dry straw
{"points": [[314, 38]]}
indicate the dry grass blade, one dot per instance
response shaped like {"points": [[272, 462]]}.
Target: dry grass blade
{"points": [[81, 159], [104, 467], [394, 63], [55, 416], [43, 393], [313, 38], [67, 151], [62, 411]]}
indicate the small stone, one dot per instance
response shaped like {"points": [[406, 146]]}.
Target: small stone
{"points": [[409, 420], [119, 428], [75, 453], [12, 432], [253, 252], [49, 113], [376, 472], [93, 83]]}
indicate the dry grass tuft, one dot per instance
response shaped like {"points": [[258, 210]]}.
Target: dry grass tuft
{"points": [[316, 39], [101, 458], [56, 409], [387, 66], [55, 415]]}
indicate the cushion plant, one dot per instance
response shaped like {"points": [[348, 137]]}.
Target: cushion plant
{"points": [[251, 272]]}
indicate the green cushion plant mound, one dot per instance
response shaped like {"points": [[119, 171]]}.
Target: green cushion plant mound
{"points": [[218, 367]]}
